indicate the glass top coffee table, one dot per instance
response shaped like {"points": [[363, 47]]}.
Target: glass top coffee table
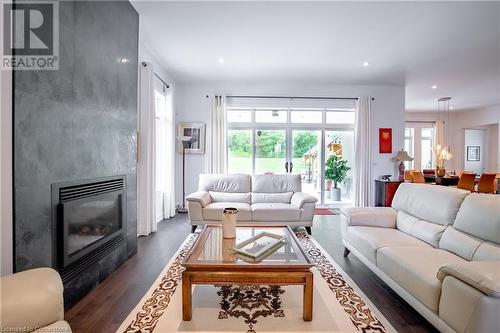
{"points": [[212, 261]]}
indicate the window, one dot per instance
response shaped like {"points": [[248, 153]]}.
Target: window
{"points": [[239, 116], [419, 142], [427, 144], [240, 149], [340, 117], [409, 138], [270, 116], [297, 140], [307, 116]]}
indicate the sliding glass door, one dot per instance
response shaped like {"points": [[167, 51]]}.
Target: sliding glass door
{"points": [[270, 151], [306, 160], [293, 141]]}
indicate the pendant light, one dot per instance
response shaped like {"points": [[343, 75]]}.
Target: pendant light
{"points": [[442, 149]]}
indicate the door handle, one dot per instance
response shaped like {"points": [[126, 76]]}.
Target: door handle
{"points": [[291, 167], [286, 167]]}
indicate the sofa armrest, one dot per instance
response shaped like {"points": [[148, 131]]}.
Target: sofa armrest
{"points": [[382, 217], [301, 198], [31, 299], [203, 197], [481, 275]]}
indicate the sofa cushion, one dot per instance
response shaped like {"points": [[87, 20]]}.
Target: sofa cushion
{"points": [[423, 230], [487, 251], [272, 197], [479, 216], [276, 183], [272, 212], [224, 183], [368, 240], [436, 204], [213, 211], [230, 197], [415, 270], [459, 243]]}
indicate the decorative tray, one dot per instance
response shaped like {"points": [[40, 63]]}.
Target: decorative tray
{"points": [[260, 245]]}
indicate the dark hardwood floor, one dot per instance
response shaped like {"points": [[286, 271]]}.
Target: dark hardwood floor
{"points": [[103, 309]]}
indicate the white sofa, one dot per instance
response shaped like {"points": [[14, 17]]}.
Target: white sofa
{"points": [[261, 199], [439, 249], [32, 301]]}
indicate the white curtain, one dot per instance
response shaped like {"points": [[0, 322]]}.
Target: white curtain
{"points": [[215, 157], [363, 144], [165, 145], [146, 170]]}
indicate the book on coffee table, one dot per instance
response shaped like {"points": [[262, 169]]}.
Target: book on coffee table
{"points": [[260, 245]]}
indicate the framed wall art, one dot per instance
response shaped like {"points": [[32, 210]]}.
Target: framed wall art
{"points": [[385, 140], [473, 153], [192, 136]]}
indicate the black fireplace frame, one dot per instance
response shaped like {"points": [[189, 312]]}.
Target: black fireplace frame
{"points": [[113, 184]]}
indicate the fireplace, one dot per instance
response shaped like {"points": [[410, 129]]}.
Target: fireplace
{"points": [[89, 215]]}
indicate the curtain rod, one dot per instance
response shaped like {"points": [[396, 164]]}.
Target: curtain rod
{"points": [[296, 97], [421, 121], [159, 78]]}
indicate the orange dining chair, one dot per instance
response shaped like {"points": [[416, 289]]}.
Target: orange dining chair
{"points": [[467, 181], [497, 180], [418, 177], [486, 183], [408, 176], [461, 172]]}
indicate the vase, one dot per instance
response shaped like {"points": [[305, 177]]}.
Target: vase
{"points": [[229, 217], [335, 194], [228, 254], [440, 172]]}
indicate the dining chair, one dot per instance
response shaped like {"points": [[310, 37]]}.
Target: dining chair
{"points": [[408, 176], [467, 181], [486, 183], [461, 172], [418, 177]]}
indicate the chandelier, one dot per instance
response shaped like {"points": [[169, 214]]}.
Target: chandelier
{"points": [[442, 150]]}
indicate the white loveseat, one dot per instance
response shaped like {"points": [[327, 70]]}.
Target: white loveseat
{"points": [[439, 249], [261, 199]]}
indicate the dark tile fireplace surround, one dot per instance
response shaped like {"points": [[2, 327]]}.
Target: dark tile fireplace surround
{"points": [[75, 134]]}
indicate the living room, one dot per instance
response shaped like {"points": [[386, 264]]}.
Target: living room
{"points": [[250, 166]]}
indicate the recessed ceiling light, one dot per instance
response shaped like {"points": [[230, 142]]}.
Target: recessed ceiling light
{"points": [[366, 64], [221, 60], [434, 87]]}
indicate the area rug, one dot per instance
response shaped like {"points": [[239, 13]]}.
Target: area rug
{"points": [[325, 211], [339, 305]]}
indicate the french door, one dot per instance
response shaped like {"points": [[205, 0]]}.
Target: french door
{"points": [[303, 151]]}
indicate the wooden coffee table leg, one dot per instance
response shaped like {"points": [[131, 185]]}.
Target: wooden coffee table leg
{"points": [[187, 307], [308, 297]]}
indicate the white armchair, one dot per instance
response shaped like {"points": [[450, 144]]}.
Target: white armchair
{"points": [[31, 301]]}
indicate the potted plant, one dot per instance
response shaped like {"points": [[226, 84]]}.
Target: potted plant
{"points": [[336, 171]]}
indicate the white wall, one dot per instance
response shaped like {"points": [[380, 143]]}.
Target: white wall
{"points": [[486, 118], [476, 137], [6, 235], [194, 106]]}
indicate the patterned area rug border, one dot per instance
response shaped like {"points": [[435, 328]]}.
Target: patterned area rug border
{"points": [[363, 314]]}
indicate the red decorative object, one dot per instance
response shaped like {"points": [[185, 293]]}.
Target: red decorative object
{"points": [[385, 140]]}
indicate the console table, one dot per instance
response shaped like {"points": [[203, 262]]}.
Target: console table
{"points": [[447, 181], [384, 192]]}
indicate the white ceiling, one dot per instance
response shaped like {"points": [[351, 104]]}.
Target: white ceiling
{"points": [[454, 45]]}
